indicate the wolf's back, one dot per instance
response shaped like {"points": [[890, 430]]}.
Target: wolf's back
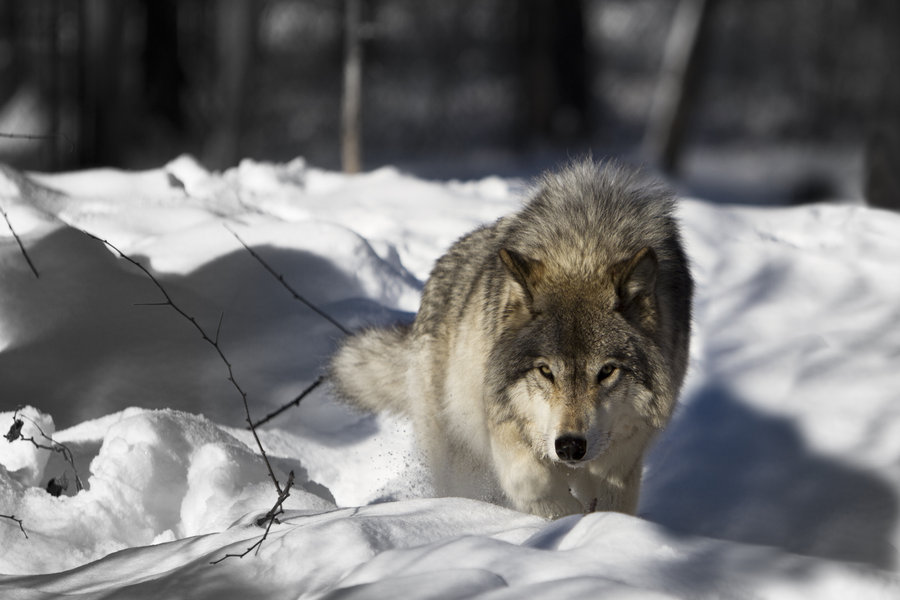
{"points": [[369, 369]]}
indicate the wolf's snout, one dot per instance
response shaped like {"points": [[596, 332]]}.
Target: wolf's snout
{"points": [[571, 447]]}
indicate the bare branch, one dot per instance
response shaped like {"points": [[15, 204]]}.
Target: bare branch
{"points": [[295, 402], [15, 433], [19, 242], [287, 286], [25, 136], [212, 342], [283, 492], [36, 138], [268, 520], [19, 521], [219, 326]]}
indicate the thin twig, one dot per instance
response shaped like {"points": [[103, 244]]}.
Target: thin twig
{"points": [[295, 402], [25, 136], [212, 342], [35, 138], [287, 286], [219, 326], [269, 519], [15, 433], [19, 242], [19, 521], [283, 492]]}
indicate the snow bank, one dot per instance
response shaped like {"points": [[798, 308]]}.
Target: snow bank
{"points": [[157, 476], [788, 433], [25, 461], [779, 475]]}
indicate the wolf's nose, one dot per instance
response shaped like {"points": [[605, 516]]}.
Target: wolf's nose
{"points": [[571, 447]]}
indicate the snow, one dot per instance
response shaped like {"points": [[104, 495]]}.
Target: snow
{"points": [[778, 477], [25, 462]]}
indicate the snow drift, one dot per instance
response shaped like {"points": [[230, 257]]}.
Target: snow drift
{"points": [[779, 476]]}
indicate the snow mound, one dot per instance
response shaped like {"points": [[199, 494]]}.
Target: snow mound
{"points": [[24, 460], [157, 476]]}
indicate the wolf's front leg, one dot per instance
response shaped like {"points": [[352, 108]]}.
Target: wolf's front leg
{"points": [[530, 484], [605, 491]]}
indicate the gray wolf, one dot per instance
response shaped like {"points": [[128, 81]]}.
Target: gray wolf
{"points": [[549, 348]]}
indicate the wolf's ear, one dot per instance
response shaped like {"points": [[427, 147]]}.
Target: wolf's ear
{"points": [[636, 288], [525, 271]]}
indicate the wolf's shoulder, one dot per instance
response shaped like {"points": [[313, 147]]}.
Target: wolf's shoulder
{"points": [[605, 194], [603, 209], [457, 273]]}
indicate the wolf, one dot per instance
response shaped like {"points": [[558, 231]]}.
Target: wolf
{"points": [[549, 348]]}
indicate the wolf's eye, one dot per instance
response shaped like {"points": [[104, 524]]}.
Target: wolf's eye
{"points": [[546, 372], [605, 372]]}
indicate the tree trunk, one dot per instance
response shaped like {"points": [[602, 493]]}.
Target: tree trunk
{"points": [[235, 50], [882, 168], [163, 75], [678, 83], [351, 105], [100, 50], [552, 69]]}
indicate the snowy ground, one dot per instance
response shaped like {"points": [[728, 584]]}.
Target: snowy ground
{"points": [[779, 476]]}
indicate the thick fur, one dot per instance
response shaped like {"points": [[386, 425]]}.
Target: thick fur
{"points": [[549, 348]]}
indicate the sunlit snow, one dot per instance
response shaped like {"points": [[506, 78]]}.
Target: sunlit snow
{"points": [[778, 477]]}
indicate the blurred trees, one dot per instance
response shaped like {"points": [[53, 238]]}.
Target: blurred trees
{"points": [[882, 176], [134, 82]]}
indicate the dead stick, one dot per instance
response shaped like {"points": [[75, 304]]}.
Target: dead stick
{"points": [[295, 402], [19, 242], [211, 342], [284, 492], [34, 138], [269, 519], [287, 286], [16, 430], [19, 521]]}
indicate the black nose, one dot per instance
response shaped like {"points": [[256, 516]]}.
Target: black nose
{"points": [[571, 447]]}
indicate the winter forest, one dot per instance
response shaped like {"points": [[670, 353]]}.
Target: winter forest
{"points": [[201, 199], [479, 85]]}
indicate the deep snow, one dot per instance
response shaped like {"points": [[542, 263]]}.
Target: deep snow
{"points": [[779, 476]]}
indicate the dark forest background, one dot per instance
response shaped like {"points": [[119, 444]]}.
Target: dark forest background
{"points": [[459, 88]]}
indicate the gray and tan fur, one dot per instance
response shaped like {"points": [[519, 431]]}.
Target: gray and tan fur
{"points": [[549, 348]]}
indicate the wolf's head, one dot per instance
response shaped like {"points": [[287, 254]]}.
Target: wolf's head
{"points": [[579, 365]]}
